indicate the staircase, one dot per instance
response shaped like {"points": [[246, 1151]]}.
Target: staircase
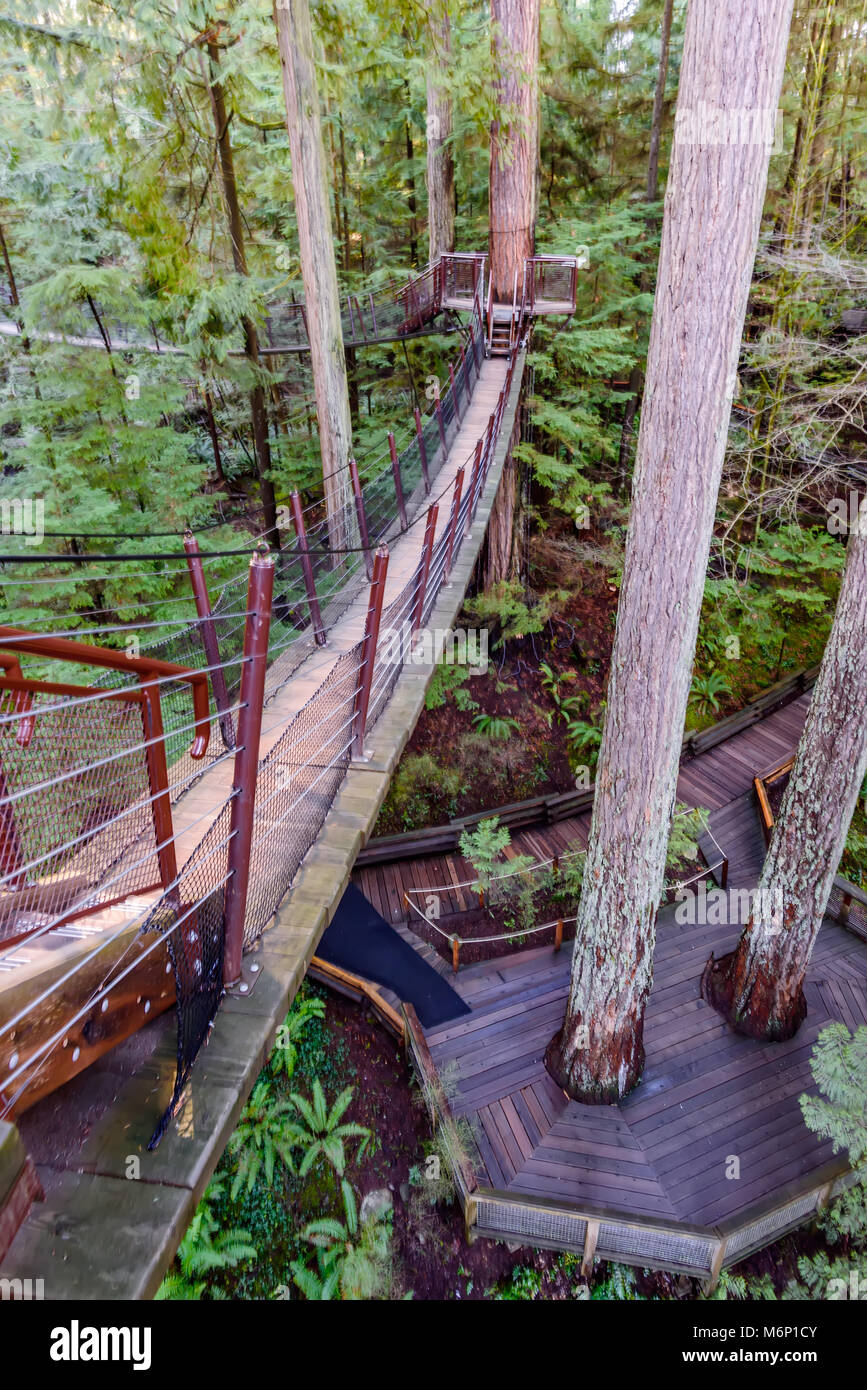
{"points": [[500, 342]]}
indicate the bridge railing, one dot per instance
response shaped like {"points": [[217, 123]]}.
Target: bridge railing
{"points": [[551, 283], [462, 273], [85, 799], [271, 818]]}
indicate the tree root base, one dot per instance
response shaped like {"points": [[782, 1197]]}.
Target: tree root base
{"points": [[593, 1093], [759, 1019]]}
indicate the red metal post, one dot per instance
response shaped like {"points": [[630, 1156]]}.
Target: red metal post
{"points": [[455, 392], [422, 448], [464, 366], [398, 484], [307, 570], [359, 511], [453, 518], [368, 650], [373, 316], [260, 591], [209, 638], [426, 552], [474, 484], [158, 778]]}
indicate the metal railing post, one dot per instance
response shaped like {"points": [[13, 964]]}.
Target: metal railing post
{"points": [[430, 527], [398, 483], [307, 570], [359, 511], [438, 411], [455, 393], [209, 639], [453, 518], [464, 370], [474, 477], [259, 595], [368, 649], [158, 778], [422, 448]]}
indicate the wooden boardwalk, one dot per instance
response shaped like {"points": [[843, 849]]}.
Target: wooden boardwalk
{"points": [[710, 1104], [720, 780], [707, 1096]]}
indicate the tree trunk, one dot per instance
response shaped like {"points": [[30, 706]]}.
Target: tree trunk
{"points": [[514, 142], [440, 161], [658, 101], [758, 987], [734, 51], [318, 266], [412, 201], [258, 413]]}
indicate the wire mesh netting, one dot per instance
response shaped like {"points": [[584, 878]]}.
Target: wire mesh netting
{"points": [[76, 825]]}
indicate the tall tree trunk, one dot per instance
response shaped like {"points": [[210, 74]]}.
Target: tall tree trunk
{"points": [[651, 194], [412, 201], [758, 987], [258, 413], [440, 161], [652, 190], [318, 266], [734, 52], [514, 141]]}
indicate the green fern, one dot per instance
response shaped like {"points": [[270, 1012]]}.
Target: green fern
{"points": [[265, 1135], [324, 1135], [352, 1261]]}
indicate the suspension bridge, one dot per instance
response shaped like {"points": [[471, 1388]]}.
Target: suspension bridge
{"points": [[159, 810]]}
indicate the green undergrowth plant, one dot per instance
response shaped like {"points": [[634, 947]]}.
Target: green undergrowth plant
{"points": [[422, 792], [352, 1260], [448, 679], [206, 1247], [323, 1132], [509, 611], [498, 728]]}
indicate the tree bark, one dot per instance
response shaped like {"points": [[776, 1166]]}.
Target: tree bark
{"points": [[758, 987], [258, 412], [652, 190], [734, 52], [412, 201], [440, 161], [318, 266], [514, 142]]}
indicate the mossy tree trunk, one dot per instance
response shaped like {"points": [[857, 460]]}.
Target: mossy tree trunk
{"points": [[734, 52], [514, 142], [318, 264], [440, 161], [758, 987], [258, 410]]}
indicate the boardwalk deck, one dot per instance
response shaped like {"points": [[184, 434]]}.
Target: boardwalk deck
{"points": [[706, 1097], [710, 1104], [720, 780]]}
